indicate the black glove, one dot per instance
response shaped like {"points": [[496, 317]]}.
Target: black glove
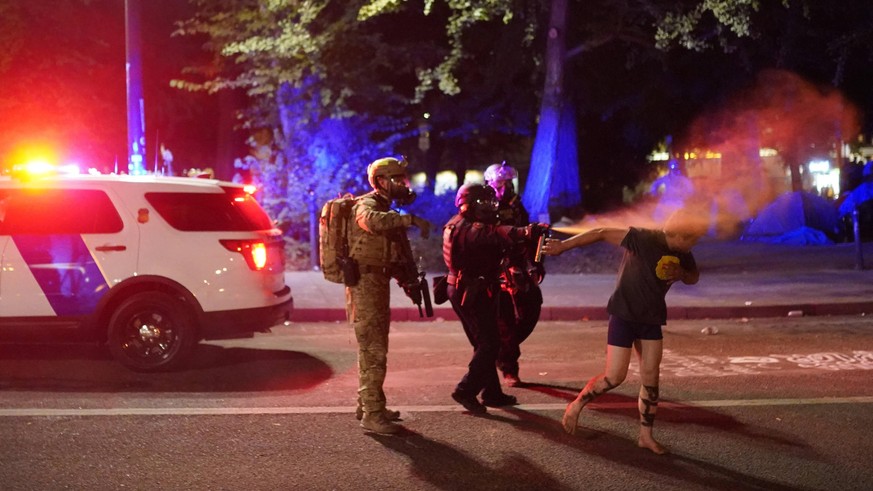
{"points": [[413, 291], [534, 230]]}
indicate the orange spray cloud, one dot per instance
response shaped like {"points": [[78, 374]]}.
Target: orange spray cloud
{"points": [[781, 111]]}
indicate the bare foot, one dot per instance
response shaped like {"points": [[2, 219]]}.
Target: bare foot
{"points": [[651, 444], [571, 417]]}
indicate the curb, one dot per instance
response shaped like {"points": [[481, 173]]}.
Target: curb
{"points": [[410, 314]]}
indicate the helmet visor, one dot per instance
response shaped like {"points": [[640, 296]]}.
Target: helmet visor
{"points": [[487, 204], [399, 179]]}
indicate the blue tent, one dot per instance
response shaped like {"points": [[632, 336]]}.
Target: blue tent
{"points": [[859, 195], [799, 217]]}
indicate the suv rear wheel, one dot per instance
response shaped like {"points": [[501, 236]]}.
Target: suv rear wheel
{"points": [[151, 331]]}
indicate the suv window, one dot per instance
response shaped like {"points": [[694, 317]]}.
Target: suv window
{"points": [[57, 211], [210, 212]]}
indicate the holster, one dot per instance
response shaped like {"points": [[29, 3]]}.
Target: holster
{"points": [[351, 272], [473, 287]]}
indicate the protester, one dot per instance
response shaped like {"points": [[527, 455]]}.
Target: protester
{"points": [[374, 250], [653, 260]]}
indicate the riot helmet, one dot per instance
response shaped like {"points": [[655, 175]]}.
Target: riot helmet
{"points": [[396, 185], [500, 176], [477, 202]]}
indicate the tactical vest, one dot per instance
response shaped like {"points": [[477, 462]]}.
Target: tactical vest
{"points": [[512, 212], [452, 263], [462, 257], [371, 249]]}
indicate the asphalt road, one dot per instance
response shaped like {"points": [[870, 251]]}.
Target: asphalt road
{"points": [[763, 404]]}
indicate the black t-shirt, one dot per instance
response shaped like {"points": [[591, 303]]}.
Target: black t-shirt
{"points": [[639, 294]]}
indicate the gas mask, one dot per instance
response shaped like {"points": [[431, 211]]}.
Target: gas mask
{"points": [[399, 191]]}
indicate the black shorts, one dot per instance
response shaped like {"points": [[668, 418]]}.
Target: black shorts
{"points": [[623, 333]]}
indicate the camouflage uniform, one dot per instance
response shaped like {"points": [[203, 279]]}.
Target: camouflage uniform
{"points": [[368, 302]]}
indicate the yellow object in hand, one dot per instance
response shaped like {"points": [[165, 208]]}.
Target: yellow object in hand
{"points": [[660, 269]]}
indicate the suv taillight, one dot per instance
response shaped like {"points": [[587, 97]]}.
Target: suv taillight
{"points": [[254, 251]]}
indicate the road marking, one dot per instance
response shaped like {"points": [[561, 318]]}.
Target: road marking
{"points": [[223, 411], [731, 366]]}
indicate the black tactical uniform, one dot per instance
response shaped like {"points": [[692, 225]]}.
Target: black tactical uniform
{"points": [[473, 251], [521, 299]]}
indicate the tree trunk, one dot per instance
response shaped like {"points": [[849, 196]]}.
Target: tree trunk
{"points": [[554, 169], [796, 178]]}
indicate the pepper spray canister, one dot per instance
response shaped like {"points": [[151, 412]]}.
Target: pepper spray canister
{"points": [[538, 256]]}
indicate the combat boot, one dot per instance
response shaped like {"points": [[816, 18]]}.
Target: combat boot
{"points": [[376, 422], [469, 402], [390, 415], [499, 400]]}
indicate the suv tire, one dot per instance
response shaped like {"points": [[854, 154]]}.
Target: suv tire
{"points": [[151, 332]]}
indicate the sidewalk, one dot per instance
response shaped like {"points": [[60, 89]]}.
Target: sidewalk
{"points": [[737, 280]]}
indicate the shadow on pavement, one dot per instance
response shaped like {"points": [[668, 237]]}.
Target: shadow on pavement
{"points": [[556, 391], [446, 467], [618, 449], [89, 368], [672, 412], [682, 414]]}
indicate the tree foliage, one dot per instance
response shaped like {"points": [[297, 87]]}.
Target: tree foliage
{"points": [[312, 69], [553, 178], [699, 25], [326, 94], [640, 69]]}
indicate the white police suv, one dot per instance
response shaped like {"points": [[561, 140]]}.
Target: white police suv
{"points": [[149, 265]]}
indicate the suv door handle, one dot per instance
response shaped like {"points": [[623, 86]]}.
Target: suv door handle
{"points": [[111, 248]]}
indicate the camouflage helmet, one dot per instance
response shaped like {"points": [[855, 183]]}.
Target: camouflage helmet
{"points": [[390, 168], [498, 173], [385, 167]]}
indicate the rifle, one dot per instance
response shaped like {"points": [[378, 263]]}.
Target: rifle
{"points": [[414, 283]]}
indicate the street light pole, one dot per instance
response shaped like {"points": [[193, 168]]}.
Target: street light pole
{"points": [[135, 102]]}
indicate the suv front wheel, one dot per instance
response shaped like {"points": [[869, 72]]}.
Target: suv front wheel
{"points": [[151, 332]]}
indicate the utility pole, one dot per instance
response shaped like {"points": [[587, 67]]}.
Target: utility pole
{"points": [[135, 102]]}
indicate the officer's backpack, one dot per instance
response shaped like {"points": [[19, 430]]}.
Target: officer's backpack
{"points": [[333, 233]]}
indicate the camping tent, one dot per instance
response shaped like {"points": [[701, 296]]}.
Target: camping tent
{"points": [[859, 195], [795, 218]]}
